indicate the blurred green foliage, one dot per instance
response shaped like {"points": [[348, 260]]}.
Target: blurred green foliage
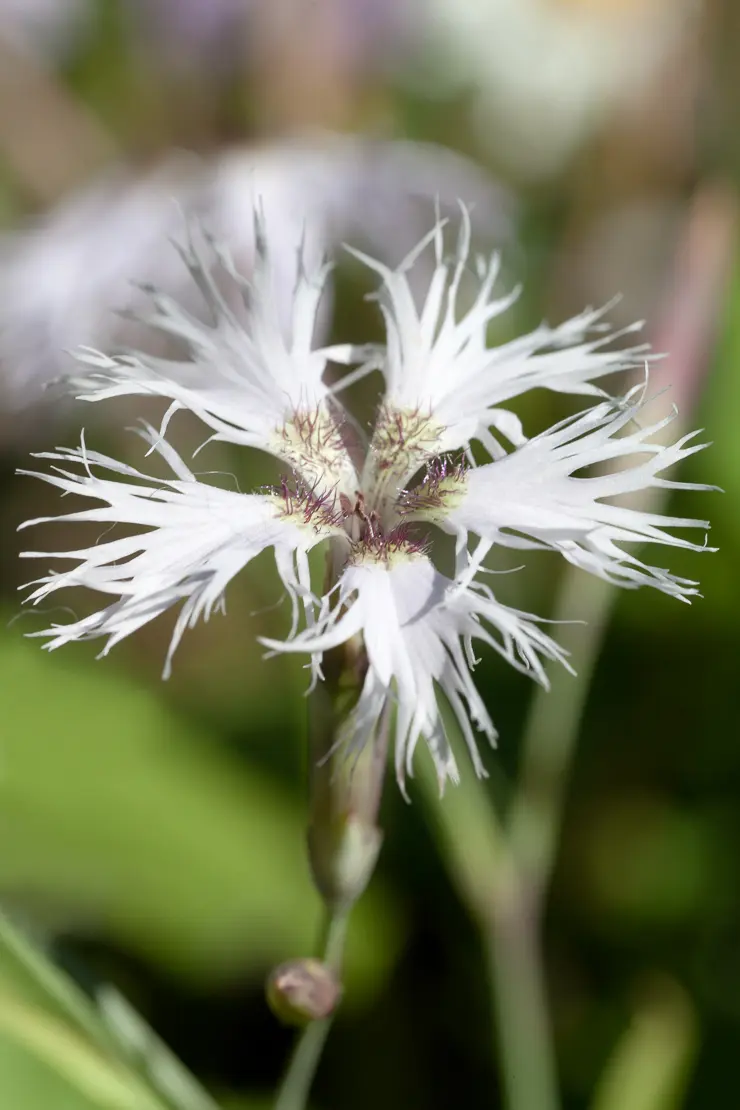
{"points": [[132, 819]]}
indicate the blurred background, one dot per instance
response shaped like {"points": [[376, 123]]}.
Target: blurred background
{"points": [[152, 833]]}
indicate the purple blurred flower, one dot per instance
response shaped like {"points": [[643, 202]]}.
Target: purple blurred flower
{"points": [[204, 32], [63, 280], [218, 34], [374, 33]]}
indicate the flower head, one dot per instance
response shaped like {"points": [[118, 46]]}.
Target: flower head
{"points": [[256, 383]]}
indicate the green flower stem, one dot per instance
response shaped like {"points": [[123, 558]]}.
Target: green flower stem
{"points": [[532, 832], [483, 869], [296, 1085], [552, 728], [502, 867], [519, 998], [299, 1074], [343, 839]]}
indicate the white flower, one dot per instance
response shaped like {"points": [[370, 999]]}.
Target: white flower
{"points": [[199, 536], [537, 496], [257, 382], [418, 627]]}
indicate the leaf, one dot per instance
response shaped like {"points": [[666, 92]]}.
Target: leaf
{"points": [[241, 1102], [107, 1026], [25, 970], [139, 1042], [651, 1064], [27, 1082], [101, 1081]]}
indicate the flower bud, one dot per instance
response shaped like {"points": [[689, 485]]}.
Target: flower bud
{"points": [[303, 990], [343, 854]]}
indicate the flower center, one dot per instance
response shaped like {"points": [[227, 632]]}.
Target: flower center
{"points": [[441, 490], [369, 540], [312, 444], [360, 524], [403, 441]]}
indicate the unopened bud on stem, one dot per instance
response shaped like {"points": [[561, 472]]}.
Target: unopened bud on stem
{"points": [[301, 991]]}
